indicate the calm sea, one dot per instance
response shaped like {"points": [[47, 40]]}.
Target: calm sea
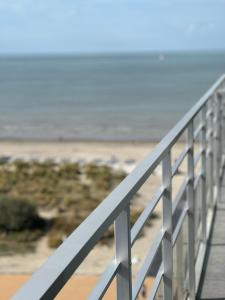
{"points": [[114, 97]]}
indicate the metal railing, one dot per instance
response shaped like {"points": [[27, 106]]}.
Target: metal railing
{"points": [[193, 204]]}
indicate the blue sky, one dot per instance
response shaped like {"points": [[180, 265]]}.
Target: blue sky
{"points": [[59, 26]]}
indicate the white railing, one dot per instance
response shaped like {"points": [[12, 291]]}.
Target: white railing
{"points": [[194, 203]]}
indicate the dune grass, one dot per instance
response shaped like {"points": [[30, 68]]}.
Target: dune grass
{"points": [[70, 190]]}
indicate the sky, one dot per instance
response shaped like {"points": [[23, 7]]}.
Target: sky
{"points": [[97, 26]]}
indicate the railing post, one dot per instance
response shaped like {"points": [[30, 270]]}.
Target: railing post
{"points": [[123, 255], [167, 251], [210, 163], [223, 127], [223, 143], [190, 201], [218, 144], [203, 172]]}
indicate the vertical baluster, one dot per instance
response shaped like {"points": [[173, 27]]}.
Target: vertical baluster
{"points": [[190, 201], [167, 251], [211, 194], [220, 159], [218, 143], [215, 149], [207, 153], [223, 126], [123, 255], [203, 172], [220, 130], [223, 142], [222, 135]]}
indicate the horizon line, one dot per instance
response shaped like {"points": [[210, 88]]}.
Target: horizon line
{"points": [[109, 53]]}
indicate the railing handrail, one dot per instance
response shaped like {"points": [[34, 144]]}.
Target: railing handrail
{"points": [[48, 280]]}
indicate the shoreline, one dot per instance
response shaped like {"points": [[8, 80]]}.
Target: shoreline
{"points": [[81, 151], [62, 140]]}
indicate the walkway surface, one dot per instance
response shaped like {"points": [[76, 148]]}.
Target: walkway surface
{"points": [[78, 287], [213, 278]]}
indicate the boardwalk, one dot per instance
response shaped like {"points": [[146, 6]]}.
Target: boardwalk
{"points": [[213, 278]]}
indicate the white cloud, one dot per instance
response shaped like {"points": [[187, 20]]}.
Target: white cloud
{"points": [[12, 5], [200, 27]]}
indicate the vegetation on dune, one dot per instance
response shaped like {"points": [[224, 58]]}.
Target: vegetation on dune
{"points": [[17, 214], [20, 225], [70, 189]]}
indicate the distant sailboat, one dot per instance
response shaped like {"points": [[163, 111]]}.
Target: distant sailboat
{"points": [[161, 57]]}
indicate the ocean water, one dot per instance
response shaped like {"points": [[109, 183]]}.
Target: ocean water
{"points": [[108, 97]]}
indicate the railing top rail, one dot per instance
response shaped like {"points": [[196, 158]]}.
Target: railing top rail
{"points": [[51, 277]]}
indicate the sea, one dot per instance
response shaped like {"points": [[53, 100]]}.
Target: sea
{"points": [[104, 97]]}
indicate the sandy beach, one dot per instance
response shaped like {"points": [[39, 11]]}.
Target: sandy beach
{"points": [[125, 155], [118, 155], [109, 152]]}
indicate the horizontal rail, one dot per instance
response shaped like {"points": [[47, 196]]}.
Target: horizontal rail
{"points": [[209, 134], [179, 195], [145, 215], [105, 281], [147, 264], [209, 152], [221, 173], [198, 156], [197, 180], [53, 275], [198, 131], [156, 283], [179, 160], [179, 226]]}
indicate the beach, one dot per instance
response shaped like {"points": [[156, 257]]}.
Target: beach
{"points": [[108, 152], [121, 155]]}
